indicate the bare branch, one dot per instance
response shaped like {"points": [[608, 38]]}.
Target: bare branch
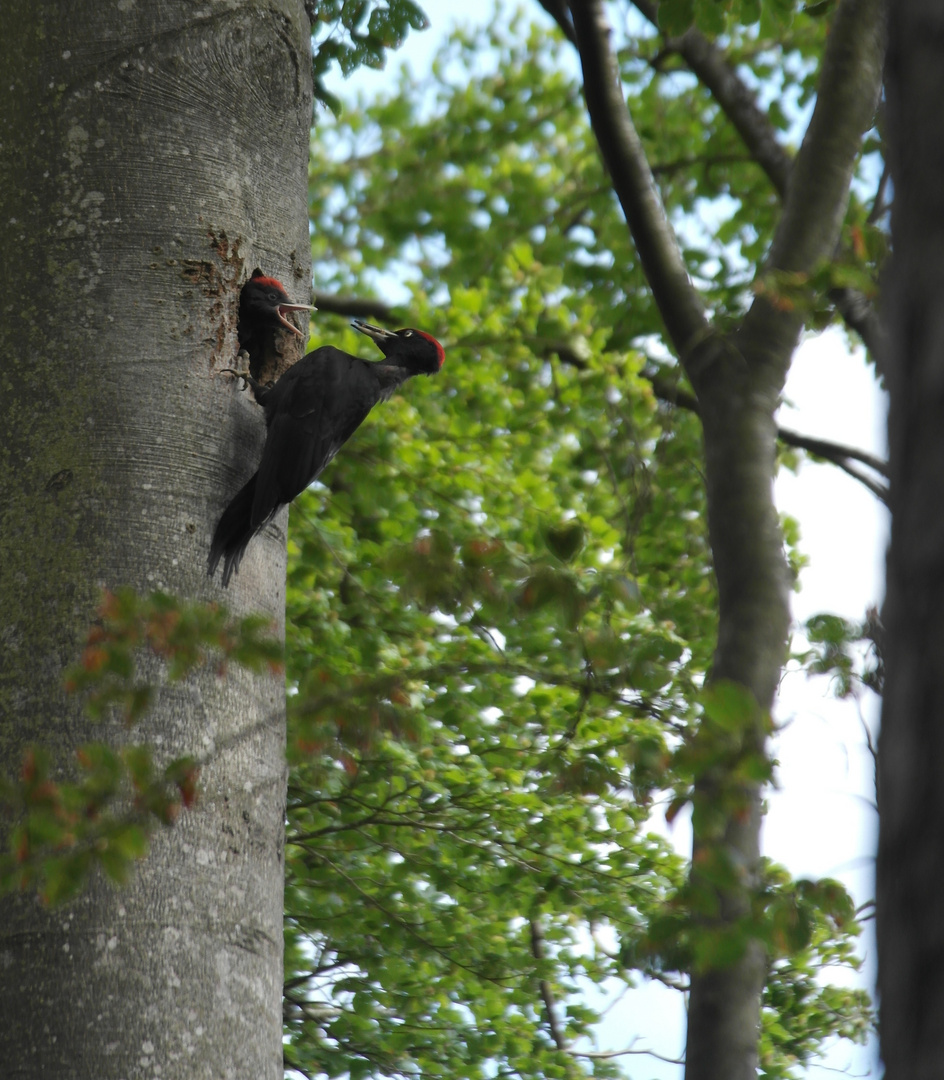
{"points": [[831, 451], [547, 994], [837, 453], [609, 687], [557, 9], [356, 307], [605, 1055], [291, 1065], [879, 490], [677, 299], [671, 393]]}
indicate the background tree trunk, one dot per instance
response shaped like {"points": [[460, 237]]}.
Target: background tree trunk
{"points": [[911, 799], [151, 156], [738, 379]]}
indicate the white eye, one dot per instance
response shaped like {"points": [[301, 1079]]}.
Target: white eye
{"points": [[408, 333]]}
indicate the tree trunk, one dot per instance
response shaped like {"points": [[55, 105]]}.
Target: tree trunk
{"points": [[152, 155], [911, 797], [738, 379], [738, 394]]}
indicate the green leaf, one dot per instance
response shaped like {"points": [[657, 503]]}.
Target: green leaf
{"points": [[676, 16], [730, 705], [565, 540]]}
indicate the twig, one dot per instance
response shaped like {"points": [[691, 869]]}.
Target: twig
{"points": [[547, 993], [840, 455], [830, 450], [737, 100], [605, 1055]]}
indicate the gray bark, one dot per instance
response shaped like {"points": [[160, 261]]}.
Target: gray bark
{"points": [[152, 154], [910, 872]]}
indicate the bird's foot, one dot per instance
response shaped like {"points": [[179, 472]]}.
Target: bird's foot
{"points": [[244, 375], [258, 390]]}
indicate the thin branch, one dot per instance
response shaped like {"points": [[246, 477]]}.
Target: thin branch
{"points": [[312, 1010], [709, 64], [879, 206], [557, 9], [878, 489], [666, 168], [870, 745], [711, 67], [677, 299], [356, 307], [671, 393], [605, 1055], [293, 1066], [824, 448], [447, 952], [611, 688], [865, 912], [837, 453], [547, 993], [859, 314]]}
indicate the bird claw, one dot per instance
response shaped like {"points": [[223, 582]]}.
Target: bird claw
{"points": [[241, 373], [259, 391], [244, 375]]}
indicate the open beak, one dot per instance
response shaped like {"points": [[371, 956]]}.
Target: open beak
{"points": [[377, 333], [292, 307]]}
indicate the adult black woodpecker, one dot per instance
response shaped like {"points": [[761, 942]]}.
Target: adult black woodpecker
{"points": [[310, 413], [263, 306]]}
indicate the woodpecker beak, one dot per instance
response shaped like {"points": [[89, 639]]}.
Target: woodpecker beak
{"points": [[282, 308], [377, 333]]}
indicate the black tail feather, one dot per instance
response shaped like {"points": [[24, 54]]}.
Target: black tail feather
{"points": [[233, 533]]}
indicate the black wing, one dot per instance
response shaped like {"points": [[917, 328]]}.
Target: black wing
{"points": [[311, 412]]}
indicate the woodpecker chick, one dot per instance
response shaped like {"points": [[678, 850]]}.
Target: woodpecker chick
{"points": [[261, 326]]}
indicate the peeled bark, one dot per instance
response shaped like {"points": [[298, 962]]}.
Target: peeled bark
{"points": [[153, 154]]}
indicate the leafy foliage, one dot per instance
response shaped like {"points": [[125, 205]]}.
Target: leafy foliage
{"points": [[103, 817], [850, 653], [774, 17], [501, 604], [352, 33]]}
